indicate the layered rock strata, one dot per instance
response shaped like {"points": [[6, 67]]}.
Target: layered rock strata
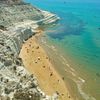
{"points": [[17, 24]]}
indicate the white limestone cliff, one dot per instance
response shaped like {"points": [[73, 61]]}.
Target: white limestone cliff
{"points": [[17, 24]]}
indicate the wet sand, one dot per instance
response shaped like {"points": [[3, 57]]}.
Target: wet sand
{"points": [[37, 62]]}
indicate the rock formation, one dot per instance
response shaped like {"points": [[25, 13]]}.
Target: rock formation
{"points": [[11, 1], [17, 24]]}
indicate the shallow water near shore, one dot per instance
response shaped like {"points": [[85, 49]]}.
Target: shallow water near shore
{"points": [[75, 45]]}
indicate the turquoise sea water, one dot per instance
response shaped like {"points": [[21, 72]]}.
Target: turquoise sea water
{"points": [[77, 37]]}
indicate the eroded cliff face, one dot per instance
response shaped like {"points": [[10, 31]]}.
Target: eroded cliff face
{"points": [[19, 36], [11, 1], [14, 19], [17, 24], [10, 14]]}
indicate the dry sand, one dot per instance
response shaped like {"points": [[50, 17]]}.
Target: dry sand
{"points": [[37, 62]]}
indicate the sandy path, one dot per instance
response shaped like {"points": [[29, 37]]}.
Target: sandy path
{"points": [[37, 62]]}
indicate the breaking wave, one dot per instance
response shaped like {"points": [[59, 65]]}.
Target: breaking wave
{"points": [[74, 75]]}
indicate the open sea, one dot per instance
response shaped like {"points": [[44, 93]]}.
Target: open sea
{"points": [[75, 44]]}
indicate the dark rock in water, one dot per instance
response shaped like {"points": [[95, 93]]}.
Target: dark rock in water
{"points": [[64, 2], [99, 28]]}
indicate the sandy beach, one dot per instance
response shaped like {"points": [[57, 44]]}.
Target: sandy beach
{"points": [[38, 63]]}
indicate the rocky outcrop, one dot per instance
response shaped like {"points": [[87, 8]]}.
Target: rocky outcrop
{"points": [[17, 38], [21, 20], [11, 1], [17, 24], [15, 82], [9, 14]]}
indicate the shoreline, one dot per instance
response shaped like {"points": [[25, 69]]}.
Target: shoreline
{"points": [[73, 80], [58, 62], [20, 80], [37, 62]]}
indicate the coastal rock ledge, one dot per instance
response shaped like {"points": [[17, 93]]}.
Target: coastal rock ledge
{"points": [[18, 22]]}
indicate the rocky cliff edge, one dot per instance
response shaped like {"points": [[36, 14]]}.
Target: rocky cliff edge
{"points": [[18, 22]]}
